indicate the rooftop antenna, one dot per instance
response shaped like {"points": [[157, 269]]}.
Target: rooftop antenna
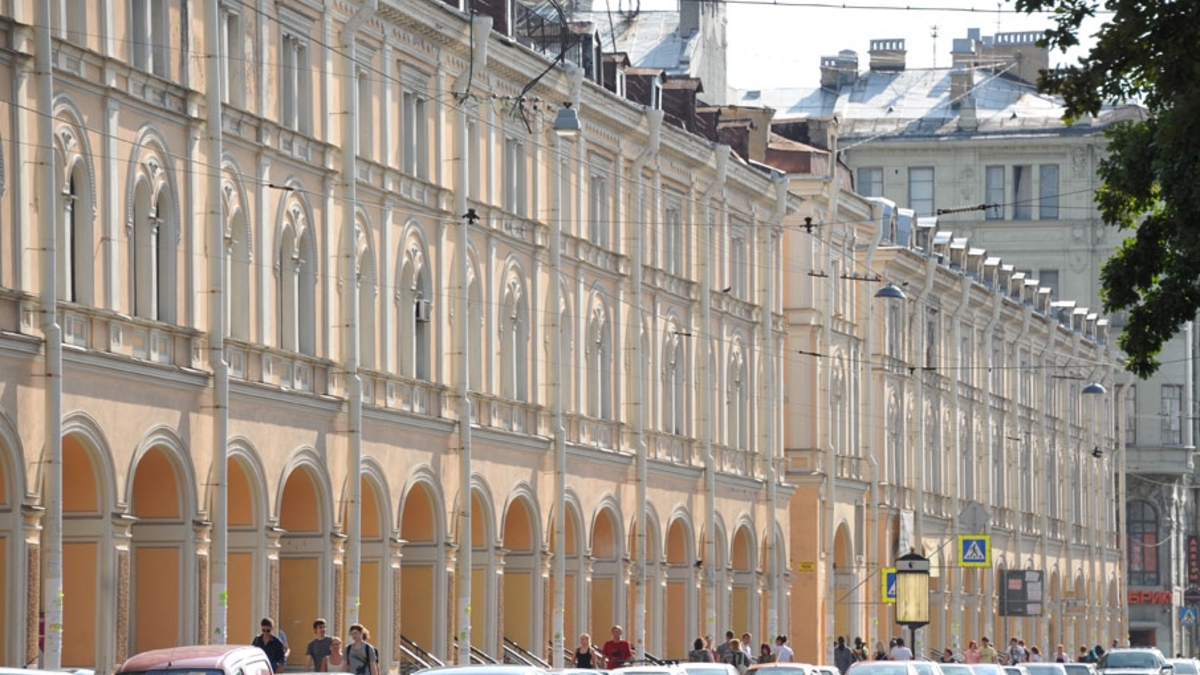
{"points": [[999, 16], [933, 32]]}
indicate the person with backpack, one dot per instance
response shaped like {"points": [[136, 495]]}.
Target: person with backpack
{"points": [[362, 658], [735, 657]]}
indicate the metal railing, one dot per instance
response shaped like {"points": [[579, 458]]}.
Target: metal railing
{"points": [[416, 657], [515, 653]]}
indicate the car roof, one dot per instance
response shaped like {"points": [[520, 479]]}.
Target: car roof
{"points": [[189, 657], [488, 669]]}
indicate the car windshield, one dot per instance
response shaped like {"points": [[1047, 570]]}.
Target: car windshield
{"points": [[176, 671], [923, 667], [779, 670], [1184, 667], [705, 670], [986, 669], [955, 669], [1044, 668], [1077, 668], [879, 668], [1130, 660]]}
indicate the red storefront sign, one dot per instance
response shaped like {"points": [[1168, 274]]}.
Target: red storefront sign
{"points": [[1151, 598], [1193, 560]]}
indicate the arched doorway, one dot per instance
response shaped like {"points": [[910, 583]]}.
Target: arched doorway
{"points": [[246, 554], [575, 584], [607, 595], [160, 550], [521, 590], [423, 583], [742, 598], [11, 551], [86, 505], [681, 588], [845, 585], [483, 578], [374, 605], [304, 569]]}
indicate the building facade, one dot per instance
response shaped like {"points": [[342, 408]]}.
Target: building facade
{"points": [[348, 332], [976, 146]]}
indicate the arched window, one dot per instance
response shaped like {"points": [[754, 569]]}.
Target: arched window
{"points": [[297, 278], [674, 372], [237, 263], [600, 363], [74, 244], [154, 251], [1142, 521], [365, 278], [514, 341], [737, 401], [414, 309]]}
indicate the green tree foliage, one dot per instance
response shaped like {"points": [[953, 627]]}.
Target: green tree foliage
{"points": [[1146, 51]]}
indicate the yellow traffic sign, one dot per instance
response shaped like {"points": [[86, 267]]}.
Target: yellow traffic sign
{"points": [[974, 550], [806, 566]]}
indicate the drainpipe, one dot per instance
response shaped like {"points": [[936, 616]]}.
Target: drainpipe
{"points": [[707, 232], [826, 437], [219, 547], [654, 119], [481, 26], [989, 581], [350, 296], [956, 612], [868, 406], [52, 598], [770, 403]]}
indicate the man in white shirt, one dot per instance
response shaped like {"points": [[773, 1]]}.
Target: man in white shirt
{"points": [[783, 653], [900, 652]]}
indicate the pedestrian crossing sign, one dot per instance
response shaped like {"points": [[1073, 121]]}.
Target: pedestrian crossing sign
{"points": [[974, 550], [1187, 616], [888, 590]]}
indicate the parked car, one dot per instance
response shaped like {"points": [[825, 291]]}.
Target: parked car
{"points": [[1047, 668], [1134, 661], [956, 669], [786, 668], [1015, 670], [198, 660], [1185, 666], [652, 670], [883, 668], [987, 669], [1079, 668], [708, 669]]}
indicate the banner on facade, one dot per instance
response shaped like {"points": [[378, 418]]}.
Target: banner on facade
{"points": [[1193, 560]]}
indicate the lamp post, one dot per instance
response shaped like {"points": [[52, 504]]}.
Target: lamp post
{"points": [[912, 594]]}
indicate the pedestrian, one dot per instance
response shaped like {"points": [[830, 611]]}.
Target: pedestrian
{"points": [[860, 650], [586, 655], [724, 646], [362, 658], [748, 646], [699, 654], [880, 652], [1084, 655], [842, 657], [735, 657], [1016, 653], [708, 644], [764, 653], [1035, 654], [1060, 655], [335, 653], [987, 653], [616, 651], [783, 653], [971, 653], [947, 655], [316, 655], [271, 645], [900, 652]]}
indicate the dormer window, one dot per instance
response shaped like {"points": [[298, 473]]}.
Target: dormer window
{"points": [[656, 93]]}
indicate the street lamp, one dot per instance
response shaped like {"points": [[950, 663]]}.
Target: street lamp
{"points": [[566, 122], [891, 292], [912, 594]]}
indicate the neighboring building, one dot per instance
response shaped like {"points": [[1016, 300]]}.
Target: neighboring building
{"points": [[433, 310], [977, 143]]}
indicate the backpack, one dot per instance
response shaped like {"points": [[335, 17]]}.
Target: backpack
{"points": [[737, 659]]}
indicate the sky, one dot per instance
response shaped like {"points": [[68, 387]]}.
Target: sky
{"points": [[781, 44]]}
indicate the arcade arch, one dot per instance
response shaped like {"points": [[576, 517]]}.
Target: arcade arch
{"points": [[681, 586], [423, 580], [521, 589], [305, 551]]}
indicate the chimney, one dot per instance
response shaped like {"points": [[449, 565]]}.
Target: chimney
{"points": [[839, 71], [1019, 53], [968, 120], [887, 55], [965, 51], [962, 78], [689, 17]]}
